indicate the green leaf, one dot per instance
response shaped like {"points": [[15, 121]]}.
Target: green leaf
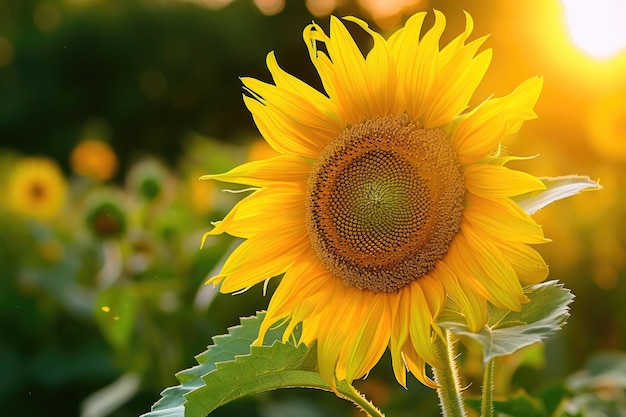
{"points": [[230, 369], [518, 405], [507, 331], [116, 312], [557, 189], [604, 370], [266, 368], [225, 348], [593, 405]]}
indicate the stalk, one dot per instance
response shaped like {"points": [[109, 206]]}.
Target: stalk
{"points": [[447, 378], [486, 403]]}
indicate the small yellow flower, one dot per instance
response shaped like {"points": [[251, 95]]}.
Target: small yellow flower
{"points": [[387, 198], [37, 188], [94, 159]]}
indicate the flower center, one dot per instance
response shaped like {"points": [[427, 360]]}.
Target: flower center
{"points": [[37, 192], [385, 199]]}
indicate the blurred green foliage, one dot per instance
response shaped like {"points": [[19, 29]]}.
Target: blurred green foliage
{"points": [[146, 70]]}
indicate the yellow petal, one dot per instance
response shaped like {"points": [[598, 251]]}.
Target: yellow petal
{"points": [[417, 61], [399, 336], [342, 70], [287, 121], [311, 326], [282, 207], [420, 330], [332, 339], [280, 169], [436, 298], [369, 336], [455, 93], [487, 265], [472, 305], [457, 51], [482, 130], [502, 219], [458, 75], [297, 297], [497, 181], [417, 366], [381, 73], [362, 88], [462, 272], [313, 34], [527, 262], [319, 101], [301, 112], [260, 258], [435, 294]]}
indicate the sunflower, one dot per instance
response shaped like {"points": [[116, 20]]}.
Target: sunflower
{"points": [[386, 199], [94, 159], [37, 188]]}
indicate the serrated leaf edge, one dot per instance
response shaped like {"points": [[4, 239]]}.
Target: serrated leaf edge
{"points": [[562, 311], [186, 385]]}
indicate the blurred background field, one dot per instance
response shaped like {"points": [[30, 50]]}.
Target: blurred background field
{"points": [[110, 110]]}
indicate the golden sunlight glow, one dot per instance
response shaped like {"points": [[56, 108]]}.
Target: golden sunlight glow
{"points": [[320, 8], [548, 46], [598, 27], [606, 126], [388, 13], [270, 7]]}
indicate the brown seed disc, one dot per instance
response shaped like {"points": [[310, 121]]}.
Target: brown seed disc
{"points": [[385, 199]]}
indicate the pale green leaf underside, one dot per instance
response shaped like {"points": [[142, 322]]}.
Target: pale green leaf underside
{"points": [[507, 331], [557, 189], [231, 369]]}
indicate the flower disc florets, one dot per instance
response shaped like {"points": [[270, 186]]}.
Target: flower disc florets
{"points": [[385, 201]]}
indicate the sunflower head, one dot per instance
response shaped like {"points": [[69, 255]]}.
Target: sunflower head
{"points": [[105, 215], [148, 179], [94, 159], [36, 188], [384, 201], [387, 199]]}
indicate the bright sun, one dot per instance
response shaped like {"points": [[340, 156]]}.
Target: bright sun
{"points": [[598, 26]]}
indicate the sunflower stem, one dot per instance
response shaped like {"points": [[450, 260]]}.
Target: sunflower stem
{"points": [[486, 404], [351, 394], [447, 378]]}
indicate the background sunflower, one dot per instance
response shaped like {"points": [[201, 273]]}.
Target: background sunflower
{"points": [[36, 188]]}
